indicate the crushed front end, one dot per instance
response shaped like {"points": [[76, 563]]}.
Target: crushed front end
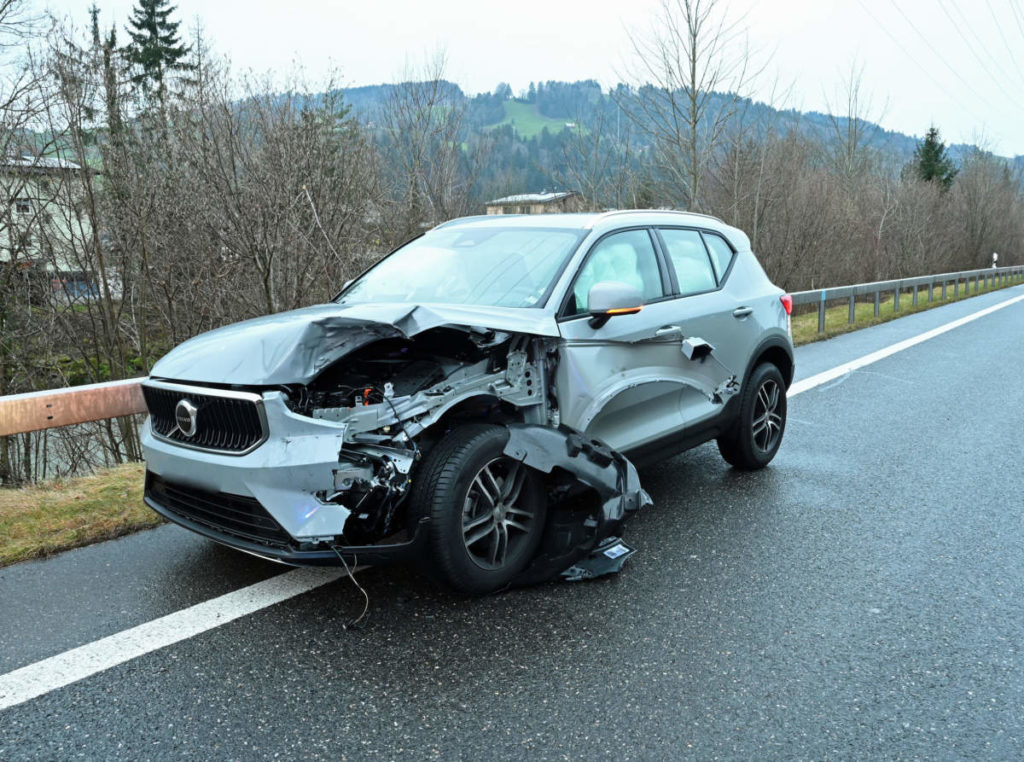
{"points": [[319, 469]]}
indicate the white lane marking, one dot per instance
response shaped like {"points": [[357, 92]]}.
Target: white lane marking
{"points": [[839, 371], [71, 666], [47, 675]]}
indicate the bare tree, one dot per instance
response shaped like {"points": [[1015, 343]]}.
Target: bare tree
{"points": [[854, 124], [690, 73], [431, 163], [600, 162]]}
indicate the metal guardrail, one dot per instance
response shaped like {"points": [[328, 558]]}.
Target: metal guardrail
{"points": [[992, 275], [21, 413], [50, 409]]}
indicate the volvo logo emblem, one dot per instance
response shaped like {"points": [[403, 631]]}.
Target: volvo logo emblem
{"points": [[185, 416]]}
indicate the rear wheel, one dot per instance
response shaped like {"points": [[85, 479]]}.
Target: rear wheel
{"points": [[486, 509], [755, 436]]}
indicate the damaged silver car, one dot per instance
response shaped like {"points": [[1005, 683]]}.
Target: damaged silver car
{"points": [[476, 401]]}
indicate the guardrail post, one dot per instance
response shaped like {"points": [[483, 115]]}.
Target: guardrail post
{"points": [[943, 290], [853, 309], [914, 301], [956, 288], [931, 287], [896, 299], [821, 313], [878, 295], [975, 284]]}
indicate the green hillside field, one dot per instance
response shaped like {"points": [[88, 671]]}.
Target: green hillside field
{"points": [[527, 121]]}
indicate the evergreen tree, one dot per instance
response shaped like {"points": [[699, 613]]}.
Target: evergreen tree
{"points": [[107, 51], [931, 162], [155, 47]]}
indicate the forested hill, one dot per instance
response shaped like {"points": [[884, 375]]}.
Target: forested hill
{"points": [[556, 106]]}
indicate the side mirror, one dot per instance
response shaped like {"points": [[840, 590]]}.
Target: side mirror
{"points": [[609, 298]]}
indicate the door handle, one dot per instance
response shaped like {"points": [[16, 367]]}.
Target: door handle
{"points": [[742, 312], [667, 330]]}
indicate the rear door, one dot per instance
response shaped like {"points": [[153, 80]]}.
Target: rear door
{"points": [[708, 305]]}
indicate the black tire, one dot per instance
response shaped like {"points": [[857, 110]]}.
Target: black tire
{"points": [[755, 436], [465, 484]]}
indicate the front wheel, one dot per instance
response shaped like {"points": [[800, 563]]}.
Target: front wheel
{"points": [[754, 438], [486, 510]]}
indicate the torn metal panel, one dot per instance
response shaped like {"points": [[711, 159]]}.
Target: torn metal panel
{"points": [[576, 525], [607, 558]]}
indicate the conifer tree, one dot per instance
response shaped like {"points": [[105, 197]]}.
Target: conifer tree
{"points": [[931, 162], [155, 46]]}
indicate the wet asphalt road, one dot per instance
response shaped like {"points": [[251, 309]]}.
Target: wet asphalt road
{"points": [[862, 598]]}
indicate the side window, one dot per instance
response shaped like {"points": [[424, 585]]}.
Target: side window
{"points": [[721, 253], [689, 259], [626, 257]]}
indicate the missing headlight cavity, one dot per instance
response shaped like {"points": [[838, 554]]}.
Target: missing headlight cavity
{"points": [[371, 483]]}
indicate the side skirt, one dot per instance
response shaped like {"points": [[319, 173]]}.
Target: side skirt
{"points": [[666, 447]]}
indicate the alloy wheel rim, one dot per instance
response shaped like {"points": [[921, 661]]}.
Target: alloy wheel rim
{"points": [[495, 522], [766, 427]]}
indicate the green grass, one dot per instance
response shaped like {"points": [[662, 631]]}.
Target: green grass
{"points": [[62, 514], [527, 121], [805, 325]]}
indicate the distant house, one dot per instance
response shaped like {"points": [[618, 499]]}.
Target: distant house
{"points": [[42, 228], [537, 203]]}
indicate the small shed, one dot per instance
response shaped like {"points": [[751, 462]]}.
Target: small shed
{"points": [[537, 203]]}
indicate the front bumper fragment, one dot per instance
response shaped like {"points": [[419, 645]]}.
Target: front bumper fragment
{"points": [[218, 516]]}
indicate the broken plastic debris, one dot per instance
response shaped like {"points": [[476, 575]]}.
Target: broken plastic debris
{"points": [[606, 558]]}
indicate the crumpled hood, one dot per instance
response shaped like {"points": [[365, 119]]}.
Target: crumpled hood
{"points": [[293, 347]]}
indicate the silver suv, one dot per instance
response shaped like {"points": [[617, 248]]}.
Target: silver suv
{"points": [[476, 400]]}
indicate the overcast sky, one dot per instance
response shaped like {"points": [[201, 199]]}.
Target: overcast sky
{"points": [[952, 63]]}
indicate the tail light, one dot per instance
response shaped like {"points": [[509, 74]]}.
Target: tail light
{"points": [[787, 303]]}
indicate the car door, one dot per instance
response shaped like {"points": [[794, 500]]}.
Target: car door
{"points": [[707, 305], [627, 381]]}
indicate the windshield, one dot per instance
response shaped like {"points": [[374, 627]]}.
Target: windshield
{"points": [[498, 267]]}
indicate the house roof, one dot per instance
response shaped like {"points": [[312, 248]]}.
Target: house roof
{"points": [[39, 163], [532, 198]]}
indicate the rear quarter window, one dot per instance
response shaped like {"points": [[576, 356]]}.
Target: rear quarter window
{"points": [[721, 253], [689, 258]]}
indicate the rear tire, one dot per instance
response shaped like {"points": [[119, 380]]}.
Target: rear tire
{"points": [[486, 510], [755, 436]]}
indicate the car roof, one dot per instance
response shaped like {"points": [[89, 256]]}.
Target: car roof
{"points": [[602, 222]]}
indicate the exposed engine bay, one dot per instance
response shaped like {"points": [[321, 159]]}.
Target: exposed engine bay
{"points": [[398, 396]]}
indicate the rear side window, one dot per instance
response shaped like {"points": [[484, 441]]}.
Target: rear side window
{"points": [[721, 253], [690, 261], [626, 257]]}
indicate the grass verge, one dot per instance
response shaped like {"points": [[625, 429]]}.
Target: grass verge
{"points": [[805, 325], [38, 521]]}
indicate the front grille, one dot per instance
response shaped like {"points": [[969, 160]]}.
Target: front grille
{"points": [[234, 515], [230, 422]]}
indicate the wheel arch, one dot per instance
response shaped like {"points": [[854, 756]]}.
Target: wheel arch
{"points": [[477, 408], [776, 350]]}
